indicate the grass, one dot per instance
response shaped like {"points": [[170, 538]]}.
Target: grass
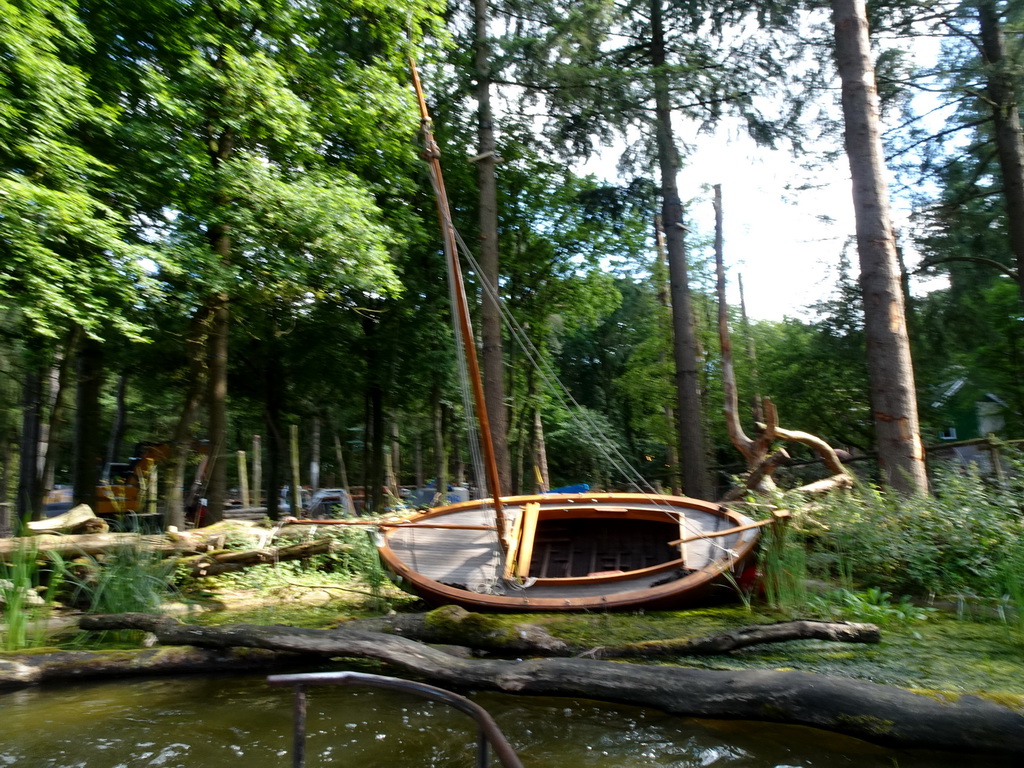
{"points": [[351, 576], [25, 613], [130, 579], [17, 580]]}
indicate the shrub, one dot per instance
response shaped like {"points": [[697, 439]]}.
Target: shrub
{"points": [[957, 541]]}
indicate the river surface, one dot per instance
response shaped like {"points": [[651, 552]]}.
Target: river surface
{"points": [[241, 722]]}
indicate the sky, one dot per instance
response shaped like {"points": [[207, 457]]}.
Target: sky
{"points": [[784, 229], [785, 242]]}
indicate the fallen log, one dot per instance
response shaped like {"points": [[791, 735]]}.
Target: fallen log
{"points": [[26, 669], [866, 710], [78, 519], [827, 485], [83, 544], [192, 547], [803, 629], [213, 563], [453, 625]]}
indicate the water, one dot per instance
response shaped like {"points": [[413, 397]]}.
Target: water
{"points": [[228, 722]]}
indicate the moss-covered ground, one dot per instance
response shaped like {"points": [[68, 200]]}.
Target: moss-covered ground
{"points": [[941, 653]]}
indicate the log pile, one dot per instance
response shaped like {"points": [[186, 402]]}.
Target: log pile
{"points": [[202, 550]]}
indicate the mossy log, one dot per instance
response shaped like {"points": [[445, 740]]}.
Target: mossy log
{"points": [[214, 563], [453, 625], [758, 634], [866, 710], [18, 670]]}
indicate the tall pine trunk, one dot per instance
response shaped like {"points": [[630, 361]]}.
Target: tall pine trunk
{"points": [[660, 276], [373, 463], [217, 404], [177, 456], [890, 370], [273, 407], [27, 503], [490, 314], [88, 453], [118, 425], [1004, 103], [49, 440], [692, 456]]}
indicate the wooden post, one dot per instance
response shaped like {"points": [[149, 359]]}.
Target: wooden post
{"points": [[296, 484], [996, 458], [243, 479], [540, 463], [314, 459], [396, 456], [5, 520], [151, 489], [257, 470], [340, 457], [418, 458]]}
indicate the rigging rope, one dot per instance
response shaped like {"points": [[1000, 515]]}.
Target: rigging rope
{"points": [[576, 412], [604, 445]]}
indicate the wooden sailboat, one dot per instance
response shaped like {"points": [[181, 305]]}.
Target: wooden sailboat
{"points": [[568, 552]]}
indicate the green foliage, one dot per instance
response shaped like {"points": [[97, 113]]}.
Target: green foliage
{"points": [[63, 257], [127, 580], [954, 542], [1012, 577], [20, 602], [870, 605], [783, 565], [354, 567]]}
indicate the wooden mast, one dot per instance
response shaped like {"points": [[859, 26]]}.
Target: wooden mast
{"points": [[432, 154]]}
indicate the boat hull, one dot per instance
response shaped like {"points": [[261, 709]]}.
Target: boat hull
{"points": [[590, 552]]}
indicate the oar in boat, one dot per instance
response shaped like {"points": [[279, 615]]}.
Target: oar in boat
{"points": [[779, 514]]}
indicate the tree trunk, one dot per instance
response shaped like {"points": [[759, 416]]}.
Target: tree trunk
{"points": [[890, 370], [755, 398], [540, 453], [217, 398], [88, 448], [395, 459], [754, 451], [49, 441], [296, 483], [440, 450], [28, 460], [490, 315], [693, 459], [177, 464], [257, 471], [417, 457], [660, 276], [273, 406], [1005, 106], [118, 426], [339, 456], [6, 457]]}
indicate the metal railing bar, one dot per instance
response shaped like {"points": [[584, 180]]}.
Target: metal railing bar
{"points": [[489, 735]]}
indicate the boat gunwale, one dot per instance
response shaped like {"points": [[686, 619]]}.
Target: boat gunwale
{"points": [[682, 588]]}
